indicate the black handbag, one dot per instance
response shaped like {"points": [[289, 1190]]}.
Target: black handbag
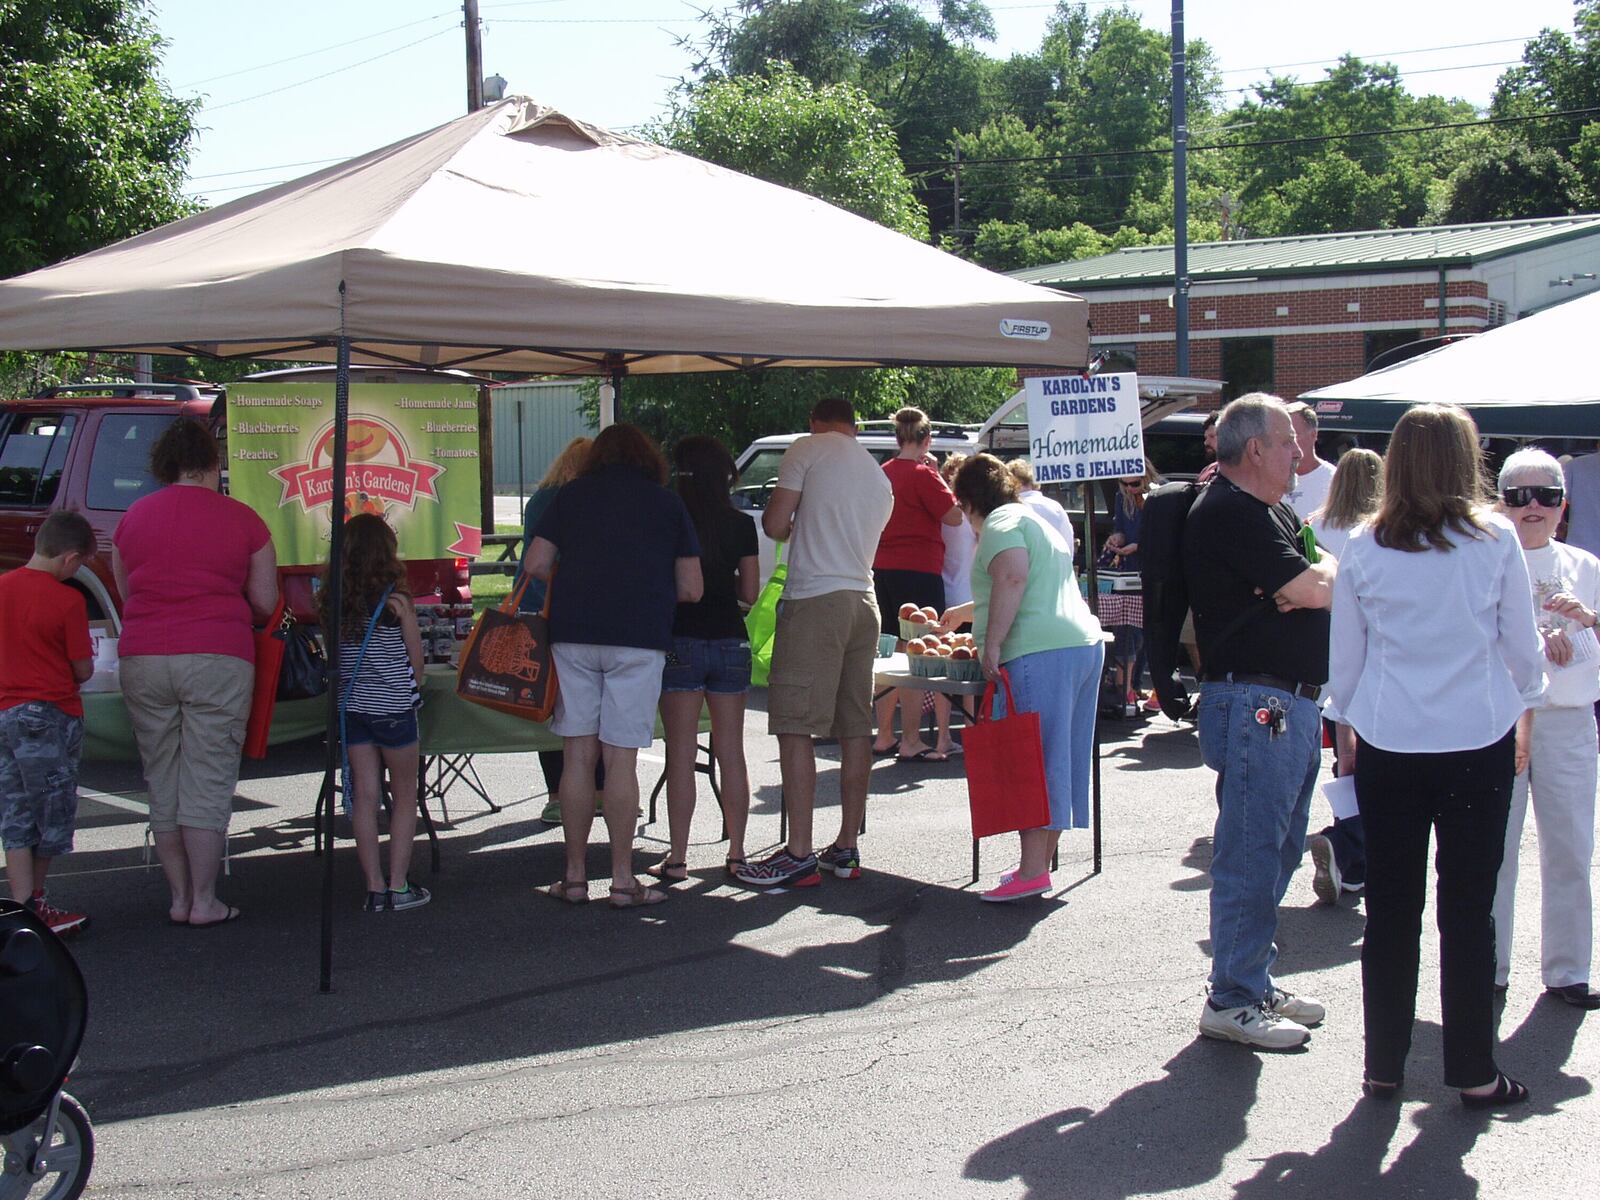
{"points": [[304, 673]]}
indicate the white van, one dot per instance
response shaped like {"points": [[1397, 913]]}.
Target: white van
{"points": [[758, 465]]}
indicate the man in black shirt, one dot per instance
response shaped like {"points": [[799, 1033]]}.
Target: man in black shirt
{"points": [[1261, 616]]}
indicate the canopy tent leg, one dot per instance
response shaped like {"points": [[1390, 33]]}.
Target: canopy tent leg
{"points": [[341, 437]]}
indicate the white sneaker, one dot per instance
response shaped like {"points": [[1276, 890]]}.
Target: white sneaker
{"points": [[1253, 1025], [1326, 883], [1302, 1010]]}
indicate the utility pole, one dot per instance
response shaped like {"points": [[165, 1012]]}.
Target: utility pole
{"points": [[1180, 193], [469, 8], [956, 175]]}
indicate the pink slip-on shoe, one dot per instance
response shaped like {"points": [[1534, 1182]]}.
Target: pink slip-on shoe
{"points": [[1015, 889]]}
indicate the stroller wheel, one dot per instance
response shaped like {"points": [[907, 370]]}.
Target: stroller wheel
{"points": [[62, 1167]]}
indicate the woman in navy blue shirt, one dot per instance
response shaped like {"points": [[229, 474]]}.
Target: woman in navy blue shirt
{"points": [[628, 555]]}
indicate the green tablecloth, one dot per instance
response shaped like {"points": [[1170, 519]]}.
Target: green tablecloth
{"points": [[448, 724]]}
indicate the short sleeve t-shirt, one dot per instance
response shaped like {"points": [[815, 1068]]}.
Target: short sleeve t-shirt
{"points": [[1053, 614], [845, 500], [730, 537], [1310, 491], [47, 629], [619, 536], [186, 553], [911, 541], [1233, 545]]}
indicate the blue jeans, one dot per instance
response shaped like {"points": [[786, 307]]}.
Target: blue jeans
{"points": [[1264, 786], [1060, 685]]}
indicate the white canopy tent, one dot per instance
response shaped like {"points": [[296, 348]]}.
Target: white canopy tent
{"points": [[518, 238], [1536, 377], [521, 239]]}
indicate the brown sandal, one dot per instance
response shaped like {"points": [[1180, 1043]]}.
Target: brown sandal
{"points": [[569, 891], [638, 896]]}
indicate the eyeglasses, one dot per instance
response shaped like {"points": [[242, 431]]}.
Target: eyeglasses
{"points": [[1521, 497]]}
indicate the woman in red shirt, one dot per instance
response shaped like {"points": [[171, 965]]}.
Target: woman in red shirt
{"points": [[907, 570], [193, 567]]}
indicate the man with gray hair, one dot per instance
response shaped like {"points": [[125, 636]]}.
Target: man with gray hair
{"points": [[1261, 615], [1556, 757]]}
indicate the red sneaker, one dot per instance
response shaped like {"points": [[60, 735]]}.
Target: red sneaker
{"points": [[61, 922]]}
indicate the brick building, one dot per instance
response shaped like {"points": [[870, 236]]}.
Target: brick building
{"points": [[1287, 315]]}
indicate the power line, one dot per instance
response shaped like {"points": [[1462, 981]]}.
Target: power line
{"points": [[1405, 72], [211, 108], [1285, 141], [310, 162], [1317, 62], [367, 37]]}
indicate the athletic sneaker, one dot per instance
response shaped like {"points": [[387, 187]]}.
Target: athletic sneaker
{"points": [[1302, 1010], [781, 870], [61, 922], [1254, 1025], [843, 861], [415, 896], [1325, 882], [377, 902]]}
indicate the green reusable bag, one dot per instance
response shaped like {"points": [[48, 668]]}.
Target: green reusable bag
{"points": [[761, 622]]}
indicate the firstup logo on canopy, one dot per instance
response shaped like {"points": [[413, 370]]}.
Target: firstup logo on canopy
{"points": [[1033, 331]]}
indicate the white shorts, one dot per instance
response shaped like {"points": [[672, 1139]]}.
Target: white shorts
{"points": [[609, 690]]}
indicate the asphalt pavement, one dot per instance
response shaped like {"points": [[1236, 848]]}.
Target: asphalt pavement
{"points": [[884, 1037]]}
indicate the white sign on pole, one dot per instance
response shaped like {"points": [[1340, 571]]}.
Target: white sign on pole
{"points": [[1084, 427]]}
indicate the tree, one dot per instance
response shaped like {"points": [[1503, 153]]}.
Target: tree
{"points": [[1509, 182], [94, 145], [833, 143]]}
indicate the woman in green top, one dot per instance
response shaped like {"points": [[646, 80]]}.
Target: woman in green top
{"points": [[1029, 617]]}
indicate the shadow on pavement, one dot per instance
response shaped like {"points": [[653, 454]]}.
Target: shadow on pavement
{"points": [[490, 971], [1152, 1138]]}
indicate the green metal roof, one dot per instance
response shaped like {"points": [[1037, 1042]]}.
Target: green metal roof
{"points": [[1317, 254]]}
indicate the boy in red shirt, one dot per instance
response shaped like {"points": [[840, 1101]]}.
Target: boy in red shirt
{"points": [[46, 655]]}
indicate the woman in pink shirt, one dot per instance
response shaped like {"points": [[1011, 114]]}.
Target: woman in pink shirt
{"points": [[194, 568]]}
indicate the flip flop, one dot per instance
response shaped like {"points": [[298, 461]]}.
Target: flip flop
{"points": [[659, 872], [233, 915], [887, 751], [954, 750], [564, 891], [929, 755]]}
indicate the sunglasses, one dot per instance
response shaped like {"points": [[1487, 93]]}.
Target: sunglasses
{"points": [[1521, 497]]}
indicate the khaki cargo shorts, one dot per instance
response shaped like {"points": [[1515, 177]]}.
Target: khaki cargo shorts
{"points": [[822, 660]]}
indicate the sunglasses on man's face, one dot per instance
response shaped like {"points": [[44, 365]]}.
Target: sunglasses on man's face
{"points": [[1521, 497]]}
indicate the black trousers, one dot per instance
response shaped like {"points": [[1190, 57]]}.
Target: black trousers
{"points": [[1460, 797]]}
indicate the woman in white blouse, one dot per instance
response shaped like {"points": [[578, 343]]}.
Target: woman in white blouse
{"points": [[1434, 656]]}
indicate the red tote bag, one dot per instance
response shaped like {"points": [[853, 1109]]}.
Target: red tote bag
{"points": [[1005, 768], [269, 661]]}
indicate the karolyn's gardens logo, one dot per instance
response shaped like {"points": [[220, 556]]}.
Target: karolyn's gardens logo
{"points": [[379, 471]]}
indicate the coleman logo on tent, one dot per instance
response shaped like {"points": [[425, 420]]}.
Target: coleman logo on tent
{"points": [[379, 471], [1033, 331]]}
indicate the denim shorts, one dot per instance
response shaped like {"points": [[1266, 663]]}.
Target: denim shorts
{"points": [[39, 750], [720, 666], [389, 731]]}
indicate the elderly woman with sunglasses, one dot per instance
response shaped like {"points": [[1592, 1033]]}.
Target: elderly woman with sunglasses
{"points": [[1556, 757]]}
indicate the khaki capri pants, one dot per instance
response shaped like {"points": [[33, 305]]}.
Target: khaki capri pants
{"points": [[188, 713]]}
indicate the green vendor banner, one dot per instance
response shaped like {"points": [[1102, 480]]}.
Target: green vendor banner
{"points": [[413, 460]]}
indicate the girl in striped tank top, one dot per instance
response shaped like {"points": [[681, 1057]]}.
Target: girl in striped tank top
{"points": [[380, 718]]}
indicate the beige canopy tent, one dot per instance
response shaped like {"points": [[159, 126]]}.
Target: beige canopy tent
{"points": [[521, 239]]}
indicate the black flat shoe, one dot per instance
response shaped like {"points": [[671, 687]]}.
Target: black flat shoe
{"points": [[1507, 1091], [1579, 995], [1380, 1091]]}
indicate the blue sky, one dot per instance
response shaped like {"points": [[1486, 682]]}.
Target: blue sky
{"points": [[306, 82]]}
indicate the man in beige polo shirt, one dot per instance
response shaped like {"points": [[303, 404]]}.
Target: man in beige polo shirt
{"points": [[831, 502]]}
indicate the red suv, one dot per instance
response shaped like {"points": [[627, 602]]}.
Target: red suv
{"points": [[86, 449]]}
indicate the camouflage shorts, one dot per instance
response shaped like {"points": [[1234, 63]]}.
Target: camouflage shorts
{"points": [[39, 748]]}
